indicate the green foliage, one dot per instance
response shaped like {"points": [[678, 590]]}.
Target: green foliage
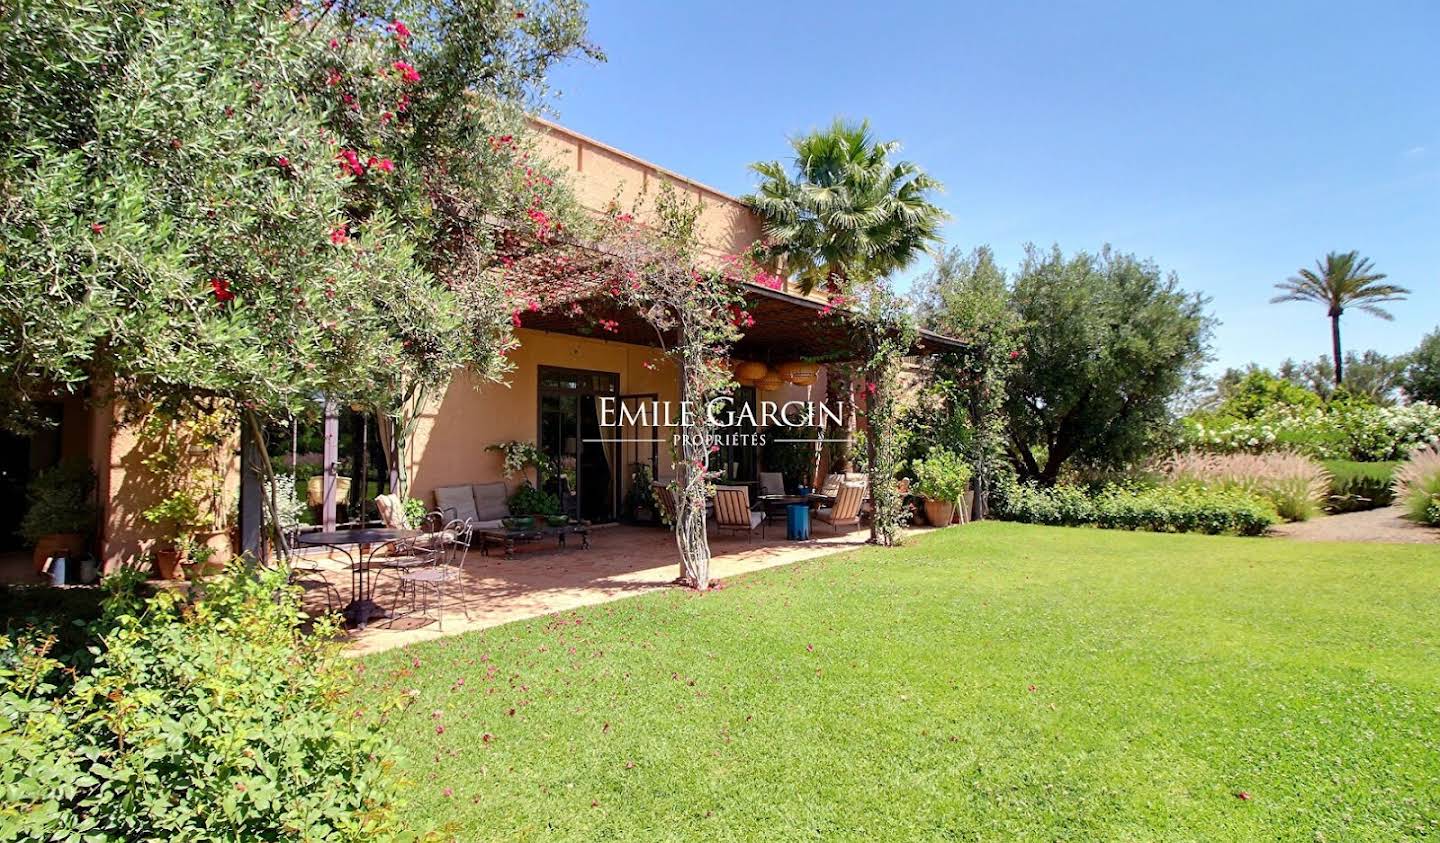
{"points": [[262, 201], [795, 460], [217, 719], [1166, 509], [884, 332], [60, 499], [415, 512], [967, 297], [1259, 392], [528, 500], [849, 213], [942, 475], [1106, 341], [1421, 375], [1344, 429], [1370, 375], [1356, 486]]}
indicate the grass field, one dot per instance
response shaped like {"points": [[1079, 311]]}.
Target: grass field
{"points": [[993, 681]]}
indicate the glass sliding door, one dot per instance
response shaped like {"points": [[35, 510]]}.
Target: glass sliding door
{"points": [[570, 434]]}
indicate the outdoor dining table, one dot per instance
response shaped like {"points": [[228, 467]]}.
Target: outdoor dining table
{"points": [[367, 542]]}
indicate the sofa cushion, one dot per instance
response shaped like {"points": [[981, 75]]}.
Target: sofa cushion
{"points": [[456, 502], [490, 501]]}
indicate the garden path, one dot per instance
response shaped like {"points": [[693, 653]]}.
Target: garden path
{"points": [[1375, 525]]}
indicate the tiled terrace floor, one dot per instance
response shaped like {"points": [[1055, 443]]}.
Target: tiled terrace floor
{"points": [[542, 579]]}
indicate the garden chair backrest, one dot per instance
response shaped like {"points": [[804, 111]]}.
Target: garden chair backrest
{"points": [[392, 512], [455, 544], [772, 483], [665, 497], [732, 506], [847, 501]]}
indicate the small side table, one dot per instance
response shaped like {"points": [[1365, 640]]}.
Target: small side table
{"points": [[797, 521]]}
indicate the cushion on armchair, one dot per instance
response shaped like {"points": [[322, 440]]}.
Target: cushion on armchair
{"points": [[456, 502]]}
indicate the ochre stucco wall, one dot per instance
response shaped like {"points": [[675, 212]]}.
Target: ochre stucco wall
{"points": [[450, 441]]}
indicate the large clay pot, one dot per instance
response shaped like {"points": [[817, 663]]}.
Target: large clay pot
{"points": [[939, 513], [218, 541], [72, 543]]}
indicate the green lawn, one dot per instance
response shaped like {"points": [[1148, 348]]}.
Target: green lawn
{"points": [[993, 682]]}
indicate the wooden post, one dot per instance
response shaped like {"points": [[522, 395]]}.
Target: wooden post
{"points": [[332, 464]]}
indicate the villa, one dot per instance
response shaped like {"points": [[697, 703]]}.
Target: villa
{"points": [[565, 377]]}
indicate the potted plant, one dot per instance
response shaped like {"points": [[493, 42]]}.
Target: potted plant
{"points": [[530, 502], [942, 478], [180, 514], [61, 512], [640, 499]]}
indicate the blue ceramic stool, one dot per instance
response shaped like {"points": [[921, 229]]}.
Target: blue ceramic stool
{"points": [[797, 522]]}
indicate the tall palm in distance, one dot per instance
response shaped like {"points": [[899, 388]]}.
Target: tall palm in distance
{"points": [[847, 212], [1342, 280]]}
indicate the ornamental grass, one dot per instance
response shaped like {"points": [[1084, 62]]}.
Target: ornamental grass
{"points": [[1417, 485], [1296, 485]]}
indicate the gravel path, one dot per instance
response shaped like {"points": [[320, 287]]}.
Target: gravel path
{"points": [[1375, 525]]}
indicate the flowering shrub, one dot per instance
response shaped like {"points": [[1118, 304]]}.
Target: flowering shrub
{"points": [[1417, 486], [1165, 509], [1295, 485], [1346, 430], [213, 720]]}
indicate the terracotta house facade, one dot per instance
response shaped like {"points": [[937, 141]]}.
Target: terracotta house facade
{"points": [[563, 381]]}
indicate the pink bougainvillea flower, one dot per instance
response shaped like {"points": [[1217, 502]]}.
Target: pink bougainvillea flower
{"points": [[221, 289], [515, 319], [339, 235], [407, 71]]}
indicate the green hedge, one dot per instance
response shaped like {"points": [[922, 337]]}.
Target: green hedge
{"points": [[1355, 486], [1165, 509], [212, 719]]}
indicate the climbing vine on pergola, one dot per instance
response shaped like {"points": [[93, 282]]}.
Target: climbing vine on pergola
{"points": [[654, 272]]}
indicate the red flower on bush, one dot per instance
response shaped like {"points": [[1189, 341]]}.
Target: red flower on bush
{"points": [[402, 32], [339, 235], [333, 77], [98, 228], [221, 288], [350, 163], [407, 71]]}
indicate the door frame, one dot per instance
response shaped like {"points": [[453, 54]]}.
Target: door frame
{"points": [[541, 391]]}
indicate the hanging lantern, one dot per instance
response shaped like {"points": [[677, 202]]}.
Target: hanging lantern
{"points": [[748, 372], [770, 382], [799, 372]]}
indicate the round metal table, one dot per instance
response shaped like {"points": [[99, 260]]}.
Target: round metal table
{"points": [[366, 541]]}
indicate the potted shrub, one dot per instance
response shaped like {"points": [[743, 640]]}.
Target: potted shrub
{"points": [[61, 512], [942, 478], [528, 501], [180, 514]]}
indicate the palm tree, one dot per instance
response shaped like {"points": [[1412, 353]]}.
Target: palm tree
{"points": [[848, 212], [1343, 280]]}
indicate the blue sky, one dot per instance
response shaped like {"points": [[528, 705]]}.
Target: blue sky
{"points": [[1230, 142]]}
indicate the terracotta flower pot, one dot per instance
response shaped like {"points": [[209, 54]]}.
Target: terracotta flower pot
{"points": [[169, 563], [939, 513]]}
